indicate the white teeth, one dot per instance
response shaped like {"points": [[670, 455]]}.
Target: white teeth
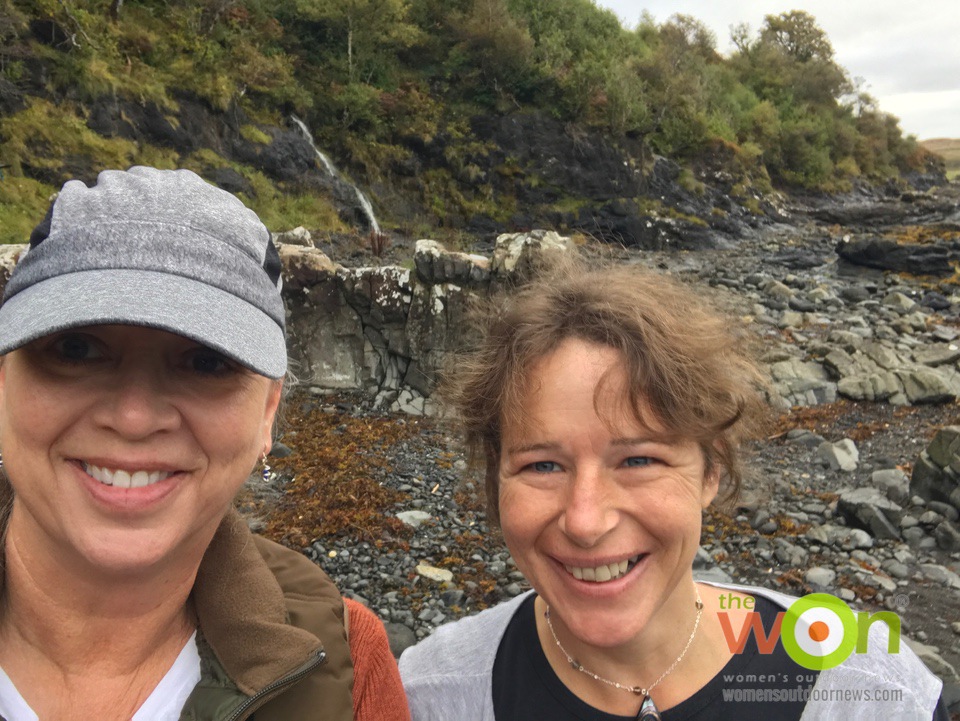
{"points": [[125, 479], [602, 574]]}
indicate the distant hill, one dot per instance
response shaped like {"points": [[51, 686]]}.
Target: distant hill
{"points": [[949, 150]]}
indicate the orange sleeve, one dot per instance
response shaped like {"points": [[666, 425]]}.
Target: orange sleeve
{"points": [[377, 691]]}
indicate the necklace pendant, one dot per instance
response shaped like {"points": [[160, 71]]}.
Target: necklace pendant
{"points": [[648, 710]]}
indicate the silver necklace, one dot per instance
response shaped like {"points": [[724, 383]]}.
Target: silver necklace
{"points": [[648, 709]]}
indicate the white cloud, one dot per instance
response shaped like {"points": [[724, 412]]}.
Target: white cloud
{"points": [[906, 52]]}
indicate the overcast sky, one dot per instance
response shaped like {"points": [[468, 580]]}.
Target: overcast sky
{"points": [[907, 52]]}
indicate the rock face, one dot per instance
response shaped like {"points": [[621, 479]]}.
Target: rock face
{"points": [[389, 330], [887, 254], [936, 473]]}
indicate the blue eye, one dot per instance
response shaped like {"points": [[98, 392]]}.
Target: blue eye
{"points": [[638, 461], [545, 467]]}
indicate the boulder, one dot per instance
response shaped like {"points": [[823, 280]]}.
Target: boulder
{"points": [[842, 455], [887, 254], [524, 254], [436, 265]]}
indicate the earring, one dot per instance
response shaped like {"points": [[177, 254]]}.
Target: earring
{"points": [[265, 471]]}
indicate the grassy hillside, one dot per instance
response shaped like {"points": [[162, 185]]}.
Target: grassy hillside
{"points": [[949, 150], [398, 92]]}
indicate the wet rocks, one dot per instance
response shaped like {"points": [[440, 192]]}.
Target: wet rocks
{"points": [[935, 474], [887, 254]]}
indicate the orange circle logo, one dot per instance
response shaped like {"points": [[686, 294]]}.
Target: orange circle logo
{"points": [[819, 631]]}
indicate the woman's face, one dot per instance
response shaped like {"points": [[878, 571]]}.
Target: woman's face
{"points": [[603, 520], [125, 446]]}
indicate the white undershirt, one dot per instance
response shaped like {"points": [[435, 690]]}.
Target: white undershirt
{"points": [[164, 704]]}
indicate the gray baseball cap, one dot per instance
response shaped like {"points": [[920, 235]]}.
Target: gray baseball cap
{"points": [[156, 248]]}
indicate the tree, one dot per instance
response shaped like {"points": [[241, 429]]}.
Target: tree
{"points": [[798, 35], [369, 32]]}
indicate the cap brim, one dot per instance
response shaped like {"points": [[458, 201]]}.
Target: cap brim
{"points": [[201, 312]]}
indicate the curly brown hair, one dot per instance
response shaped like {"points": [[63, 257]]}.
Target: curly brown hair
{"points": [[687, 364]]}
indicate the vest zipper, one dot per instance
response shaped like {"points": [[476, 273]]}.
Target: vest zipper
{"points": [[266, 692]]}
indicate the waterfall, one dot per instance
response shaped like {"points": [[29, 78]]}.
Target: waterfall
{"points": [[332, 171], [368, 210]]}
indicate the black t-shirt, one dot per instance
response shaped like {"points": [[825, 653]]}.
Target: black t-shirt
{"points": [[525, 687], [751, 686]]}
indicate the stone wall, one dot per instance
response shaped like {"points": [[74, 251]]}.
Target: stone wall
{"points": [[389, 330]]}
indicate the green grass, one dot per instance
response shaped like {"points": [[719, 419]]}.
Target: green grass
{"points": [[949, 150]]}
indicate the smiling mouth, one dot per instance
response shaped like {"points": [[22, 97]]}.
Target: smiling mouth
{"points": [[125, 479], [607, 572]]}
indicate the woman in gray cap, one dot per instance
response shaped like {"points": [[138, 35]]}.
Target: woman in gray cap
{"points": [[142, 342]]}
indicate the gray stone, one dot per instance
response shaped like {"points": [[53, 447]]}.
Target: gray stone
{"points": [[894, 483], [712, 575], [841, 364], [789, 553], [297, 236], [945, 333], [899, 303], [842, 455], [400, 637], [878, 523], [769, 527], [414, 518], [760, 518], [453, 597], [926, 478], [944, 446], [806, 392], [856, 538], [435, 264], [803, 437], [431, 573], [895, 568], [941, 574], [778, 291], [908, 521], [937, 355], [702, 559], [862, 505], [820, 577], [925, 385], [947, 536], [525, 253], [944, 509], [882, 355], [879, 386], [791, 319], [914, 536], [930, 518]]}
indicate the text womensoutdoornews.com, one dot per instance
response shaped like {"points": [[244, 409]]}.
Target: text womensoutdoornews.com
{"points": [[808, 693]]}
